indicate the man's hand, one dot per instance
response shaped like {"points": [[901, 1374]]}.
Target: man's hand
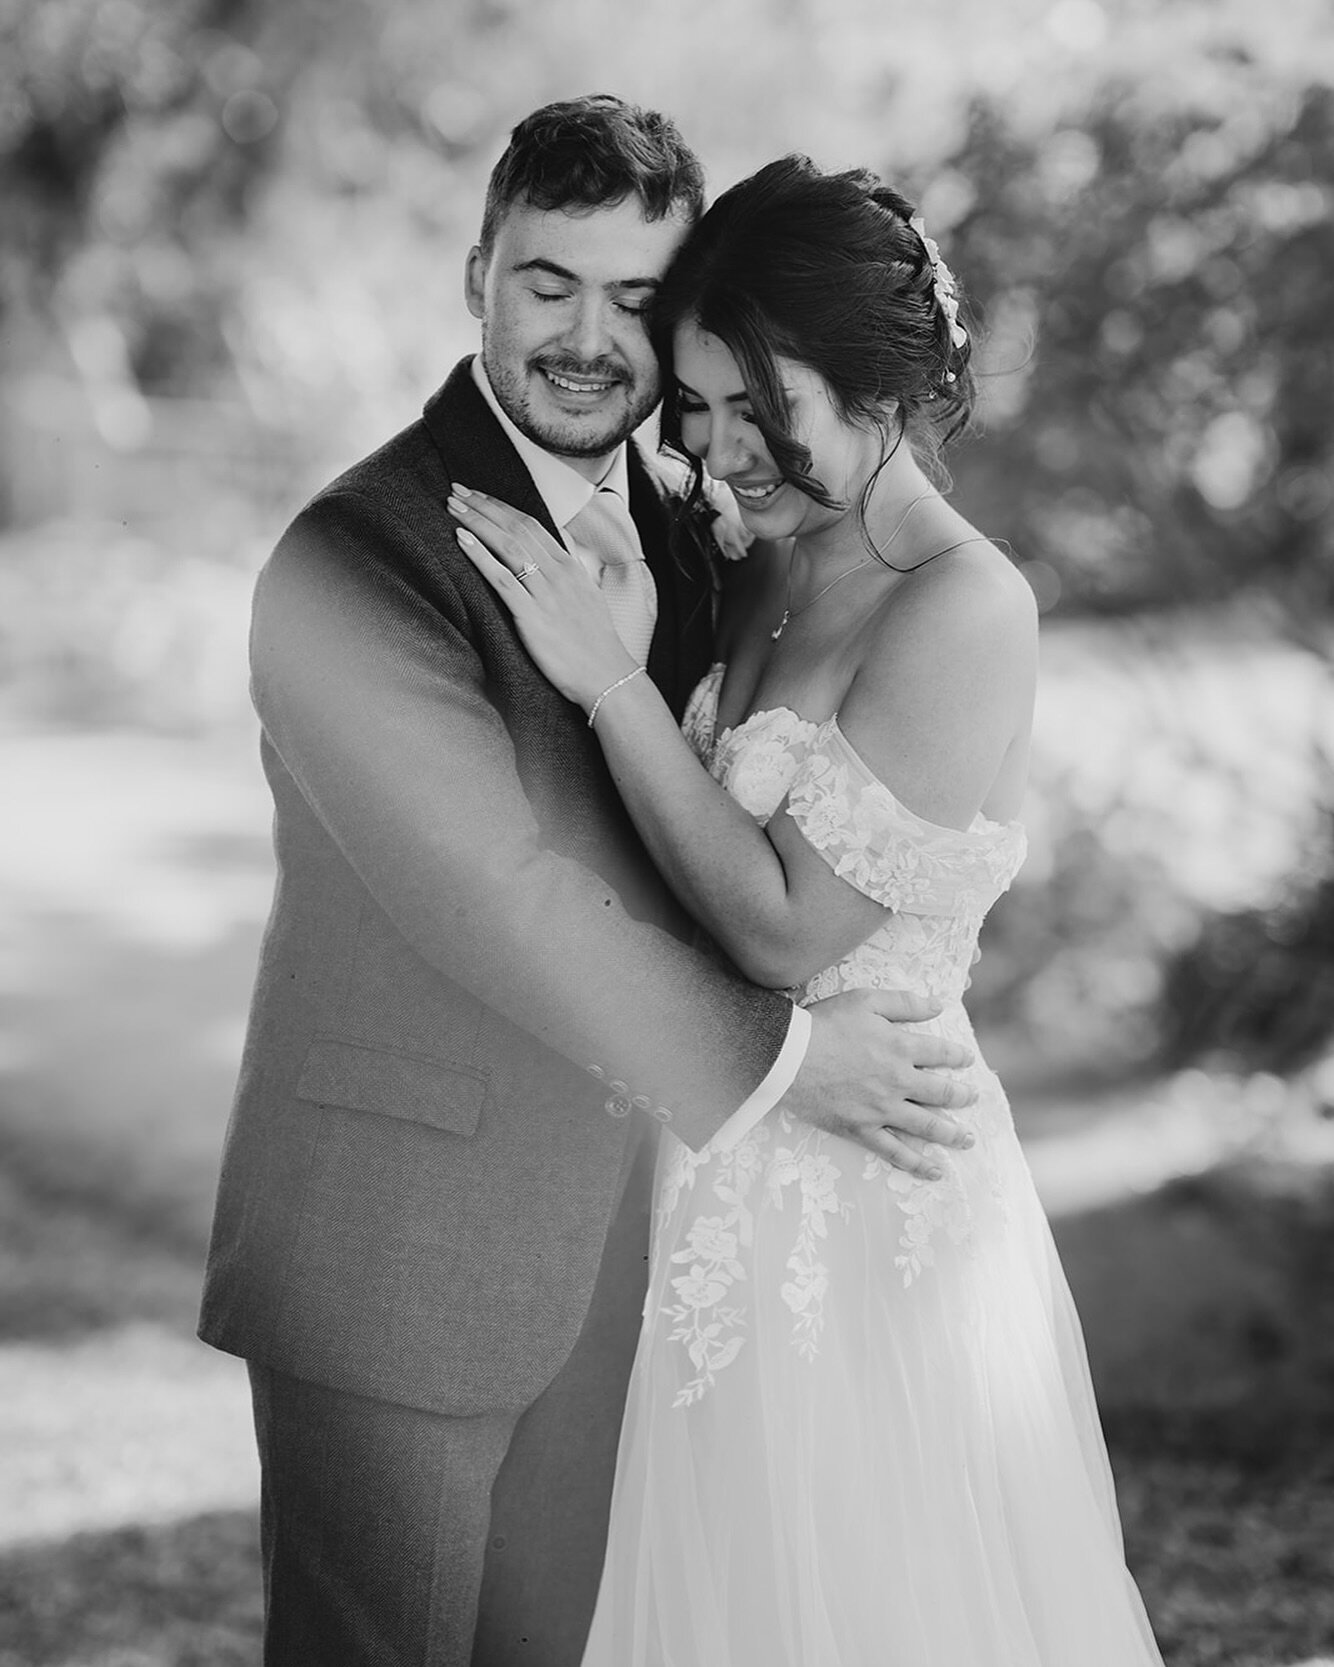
{"points": [[868, 1079]]}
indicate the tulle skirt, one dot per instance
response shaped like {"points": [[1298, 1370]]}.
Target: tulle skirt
{"points": [[860, 1427]]}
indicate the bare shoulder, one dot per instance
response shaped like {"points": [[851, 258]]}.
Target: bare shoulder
{"points": [[971, 601], [975, 583], [954, 643]]}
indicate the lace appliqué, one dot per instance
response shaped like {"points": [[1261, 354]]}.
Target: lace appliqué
{"points": [[936, 884], [931, 1208], [806, 1166], [886, 851], [705, 1319]]}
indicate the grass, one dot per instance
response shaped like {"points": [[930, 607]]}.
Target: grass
{"points": [[1235, 1560], [1227, 1505], [186, 1595]]}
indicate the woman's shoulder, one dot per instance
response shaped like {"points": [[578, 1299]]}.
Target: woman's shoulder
{"points": [[946, 686], [973, 587], [966, 620]]}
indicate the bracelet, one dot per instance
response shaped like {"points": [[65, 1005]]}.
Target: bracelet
{"points": [[593, 710]]}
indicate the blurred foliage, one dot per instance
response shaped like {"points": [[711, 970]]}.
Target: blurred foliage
{"points": [[1257, 985], [131, 135], [231, 234], [1137, 193], [1163, 280], [1182, 798]]}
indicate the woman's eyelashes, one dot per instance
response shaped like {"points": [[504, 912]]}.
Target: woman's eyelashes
{"points": [[689, 406]]}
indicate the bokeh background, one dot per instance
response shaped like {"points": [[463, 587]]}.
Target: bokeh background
{"points": [[231, 240]]}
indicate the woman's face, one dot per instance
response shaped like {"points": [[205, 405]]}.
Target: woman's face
{"points": [[718, 427]]}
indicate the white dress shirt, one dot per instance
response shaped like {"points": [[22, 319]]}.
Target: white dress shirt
{"points": [[565, 492]]}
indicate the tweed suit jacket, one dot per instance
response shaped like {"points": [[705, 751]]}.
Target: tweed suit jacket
{"points": [[472, 980]]}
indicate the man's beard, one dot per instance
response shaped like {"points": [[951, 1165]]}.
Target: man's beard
{"points": [[572, 436]]}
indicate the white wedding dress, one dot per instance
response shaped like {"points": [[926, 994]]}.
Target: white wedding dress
{"points": [[860, 1429]]}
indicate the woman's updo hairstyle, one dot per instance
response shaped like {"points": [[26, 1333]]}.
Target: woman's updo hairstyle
{"points": [[824, 269]]}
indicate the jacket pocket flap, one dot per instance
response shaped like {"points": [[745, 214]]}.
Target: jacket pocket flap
{"points": [[432, 1091]]}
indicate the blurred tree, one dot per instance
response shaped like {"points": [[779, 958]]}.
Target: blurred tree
{"points": [[1143, 193], [1255, 990], [264, 204], [131, 135], [1159, 287]]}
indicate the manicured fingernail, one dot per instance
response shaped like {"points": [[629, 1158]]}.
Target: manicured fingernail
{"points": [[464, 536], [969, 1141], [459, 508], [463, 491], [935, 1174]]}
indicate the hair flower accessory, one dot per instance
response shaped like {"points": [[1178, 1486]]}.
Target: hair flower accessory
{"points": [[947, 296]]}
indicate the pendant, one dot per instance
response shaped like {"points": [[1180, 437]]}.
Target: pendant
{"points": [[778, 629]]}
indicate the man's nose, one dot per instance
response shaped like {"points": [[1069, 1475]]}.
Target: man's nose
{"points": [[589, 335]]}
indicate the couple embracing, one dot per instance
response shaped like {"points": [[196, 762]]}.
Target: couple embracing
{"points": [[635, 1264]]}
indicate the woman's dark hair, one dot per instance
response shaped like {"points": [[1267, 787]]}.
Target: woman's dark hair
{"points": [[593, 152], [824, 269]]}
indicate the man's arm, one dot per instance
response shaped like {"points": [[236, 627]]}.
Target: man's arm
{"points": [[375, 699]]}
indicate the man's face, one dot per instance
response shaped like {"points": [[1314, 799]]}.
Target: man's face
{"points": [[562, 300]]}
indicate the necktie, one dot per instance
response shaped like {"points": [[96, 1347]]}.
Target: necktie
{"points": [[604, 529]]}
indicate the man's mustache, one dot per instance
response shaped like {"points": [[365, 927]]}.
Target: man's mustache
{"points": [[596, 370]]}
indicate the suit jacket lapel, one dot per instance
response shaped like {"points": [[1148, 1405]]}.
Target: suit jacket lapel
{"points": [[474, 449]]}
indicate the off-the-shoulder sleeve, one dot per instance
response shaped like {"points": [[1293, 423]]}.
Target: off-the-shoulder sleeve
{"points": [[882, 848]]}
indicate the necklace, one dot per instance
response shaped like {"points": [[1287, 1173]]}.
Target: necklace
{"points": [[790, 613]]}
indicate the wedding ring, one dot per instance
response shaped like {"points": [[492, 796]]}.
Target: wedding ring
{"points": [[527, 570]]}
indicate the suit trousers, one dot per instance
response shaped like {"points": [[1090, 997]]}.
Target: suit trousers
{"points": [[396, 1537]]}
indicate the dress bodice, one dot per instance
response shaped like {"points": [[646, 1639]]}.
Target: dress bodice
{"points": [[938, 883]]}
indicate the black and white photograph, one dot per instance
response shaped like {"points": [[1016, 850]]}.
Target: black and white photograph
{"points": [[667, 854]]}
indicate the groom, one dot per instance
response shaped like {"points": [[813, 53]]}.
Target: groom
{"points": [[474, 995]]}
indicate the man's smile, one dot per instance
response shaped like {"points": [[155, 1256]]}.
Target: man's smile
{"points": [[584, 389]]}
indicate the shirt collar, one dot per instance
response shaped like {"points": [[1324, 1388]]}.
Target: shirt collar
{"points": [[562, 489]]}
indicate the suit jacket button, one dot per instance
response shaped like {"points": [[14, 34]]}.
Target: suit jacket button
{"points": [[618, 1105], [662, 1114]]}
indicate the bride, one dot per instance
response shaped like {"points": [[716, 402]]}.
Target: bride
{"points": [[860, 1427]]}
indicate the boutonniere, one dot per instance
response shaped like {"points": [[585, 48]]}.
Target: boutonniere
{"points": [[715, 516]]}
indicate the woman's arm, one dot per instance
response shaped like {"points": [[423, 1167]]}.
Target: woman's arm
{"points": [[939, 708], [712, 853], [933, 710]]}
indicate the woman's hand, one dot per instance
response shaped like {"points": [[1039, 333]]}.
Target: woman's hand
{"points": [[559, 611]]}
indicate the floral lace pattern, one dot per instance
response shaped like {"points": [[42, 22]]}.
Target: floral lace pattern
{"points": [[707, 1324], [880, 846], [938, 884]]}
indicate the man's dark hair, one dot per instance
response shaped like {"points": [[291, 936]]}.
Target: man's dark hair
{"points": [[594, 152]]}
